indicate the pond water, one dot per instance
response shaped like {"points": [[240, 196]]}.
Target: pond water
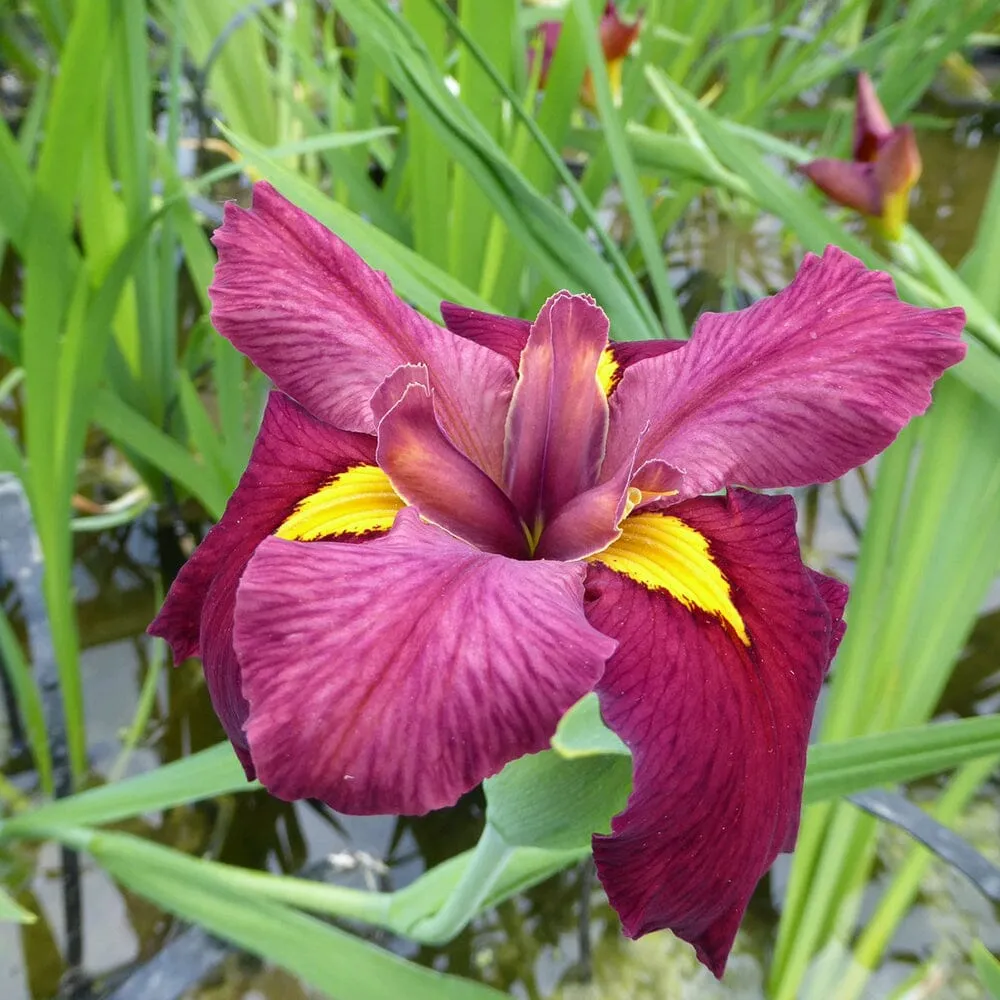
{"points": [[530, 945]]}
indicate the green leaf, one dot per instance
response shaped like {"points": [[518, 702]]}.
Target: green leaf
{"points": [[340, 964], [582, 732], [12, 912], [556, 246], [842, 768], [988, 968], [982, 265], [557, 803], [133, 431], [29, 701], [628, 178], [203, 775]]}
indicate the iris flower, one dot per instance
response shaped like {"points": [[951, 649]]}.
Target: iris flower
{"points": [[617, 37], [445, 537], [884, 167]]}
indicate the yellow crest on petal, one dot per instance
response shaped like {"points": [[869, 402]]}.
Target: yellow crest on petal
{"points": [[607, 371], [663, 553], [356, 501]]}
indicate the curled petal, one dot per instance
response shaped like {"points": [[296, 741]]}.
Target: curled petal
{"points": [[311, 314], [292, 458], [558, 416], [853, 185], [393, 676], [797, 389], [871, 124], [722, 651], [428, 471]]}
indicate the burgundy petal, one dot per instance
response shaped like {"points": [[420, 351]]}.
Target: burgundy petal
{"points": [[394, 675], [617, 35], [853, 185], [307, 310], [897, 166], [718, 727], [503, 334], [293, 456], [871, 124], [429, 472], [559, 414], [797, 389], [835, 594]]}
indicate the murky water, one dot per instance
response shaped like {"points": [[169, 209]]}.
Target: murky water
{"points": [[530, 945]]}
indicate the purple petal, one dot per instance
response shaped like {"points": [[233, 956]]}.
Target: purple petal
{"points": [[797, 389], [503, 334], [393, 676], [871, 124], [559, 414], [308, 311], [428, 471], [293, 456], [852, 185], [717, 725]]}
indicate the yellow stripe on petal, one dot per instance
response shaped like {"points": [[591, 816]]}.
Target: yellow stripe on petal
{"points": [[607, 371], [355, 502], [664, 553]]}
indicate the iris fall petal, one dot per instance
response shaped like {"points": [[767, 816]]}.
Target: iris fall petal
{"points": [[799, 388], [718, 726], [311, 314], [393, 676], [293, 456]]}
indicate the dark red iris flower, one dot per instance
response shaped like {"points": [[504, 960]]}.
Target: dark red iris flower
{"points": [[446, 536], [885, 165], [617, 37]]}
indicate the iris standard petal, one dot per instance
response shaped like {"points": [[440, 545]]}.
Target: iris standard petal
{"points": [[507, 336], [428, 471], [293, 457], [797, 389], [393, 676], [558, 416], [871, 124], [724, 640], [311, 314]]}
